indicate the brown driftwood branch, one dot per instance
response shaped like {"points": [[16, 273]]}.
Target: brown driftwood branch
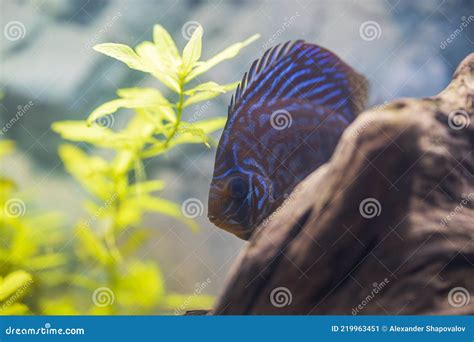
{"points": [[317, 254]]}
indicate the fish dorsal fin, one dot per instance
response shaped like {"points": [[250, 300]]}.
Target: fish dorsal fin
{"points": [[299, 70], [269, 58]]}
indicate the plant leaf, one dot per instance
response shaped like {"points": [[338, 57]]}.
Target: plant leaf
{"points": [[123, 53], [95, 134], [187, 128], [6, 147], [165, 207], [207, 126], [211, 125], [142, 285], [14, 282], [158, 66], [207, 86], [181, 303], [164, 42], [47, 261], [200, 97], [91, 244], [108, 108], [207, 91], [14, 309], [89, 171], [225, 54], [147, 186], [192, 50], [132, 98], [135, 239]]}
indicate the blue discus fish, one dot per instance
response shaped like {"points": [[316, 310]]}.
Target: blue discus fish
{"points": [[284, 121]]}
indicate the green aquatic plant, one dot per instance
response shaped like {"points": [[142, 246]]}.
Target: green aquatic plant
{"points": [[30, 257], [121, 191], [38, 273]]}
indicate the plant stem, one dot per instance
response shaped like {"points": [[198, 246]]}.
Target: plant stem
{"points": [[112, 244], [179, 110], [110, 238], [140, 175]]}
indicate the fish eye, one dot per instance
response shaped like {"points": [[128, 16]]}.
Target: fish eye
{"points": [[237, 187]]}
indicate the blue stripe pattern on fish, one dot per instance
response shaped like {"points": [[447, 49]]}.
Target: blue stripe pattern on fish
{"points": [[284, 121]]}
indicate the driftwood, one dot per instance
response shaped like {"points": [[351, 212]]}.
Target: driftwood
{"points": [[385, 227]]}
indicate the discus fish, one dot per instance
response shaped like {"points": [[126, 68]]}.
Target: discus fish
{"points": [[284, 121]]}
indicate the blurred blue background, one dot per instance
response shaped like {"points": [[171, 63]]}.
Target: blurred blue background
{"points": [[405, 49]]}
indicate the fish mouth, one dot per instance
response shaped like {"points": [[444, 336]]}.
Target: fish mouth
{"points": [[232, 226]]}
